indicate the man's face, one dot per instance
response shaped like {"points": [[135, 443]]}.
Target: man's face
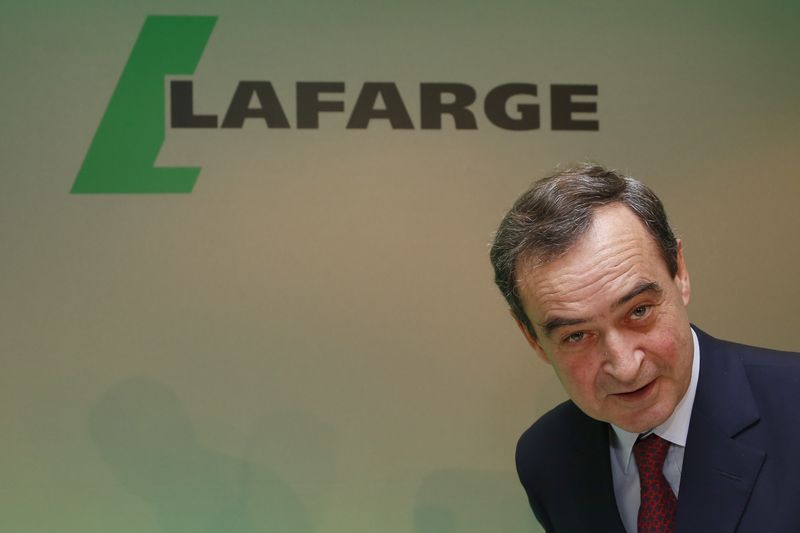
{"points": [[612, 322]]}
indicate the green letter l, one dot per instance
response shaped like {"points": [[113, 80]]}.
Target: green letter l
{"points": [[121, 157]]}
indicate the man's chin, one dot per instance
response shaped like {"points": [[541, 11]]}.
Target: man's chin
{"points": [[643, 421]]}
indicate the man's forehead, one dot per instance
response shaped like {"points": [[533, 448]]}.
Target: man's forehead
{"points": [[606, 262]]}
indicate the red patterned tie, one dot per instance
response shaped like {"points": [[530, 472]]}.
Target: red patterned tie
{"points": [[657, 510]]}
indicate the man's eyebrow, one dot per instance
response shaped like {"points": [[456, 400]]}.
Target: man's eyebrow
{"points": [[645, 286], [558, 322]]}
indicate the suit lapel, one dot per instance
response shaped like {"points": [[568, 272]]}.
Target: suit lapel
{"points": [[718, 471], [594, 489]]}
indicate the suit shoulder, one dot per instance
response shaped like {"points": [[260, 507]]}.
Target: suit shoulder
{"points": [[773, 375], [552, 434], [749, 355], [754, 356], [787, 361]]}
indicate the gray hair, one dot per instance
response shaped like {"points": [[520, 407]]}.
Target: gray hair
{"points": [[556, 211]]}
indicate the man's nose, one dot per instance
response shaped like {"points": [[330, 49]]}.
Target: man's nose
{"points": [[622, 357]]}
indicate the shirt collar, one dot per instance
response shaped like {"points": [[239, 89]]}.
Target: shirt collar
{"points": [[674, 429]]}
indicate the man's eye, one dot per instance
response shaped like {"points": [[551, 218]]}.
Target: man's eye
{"points": [[640, 311], [573, 338]]}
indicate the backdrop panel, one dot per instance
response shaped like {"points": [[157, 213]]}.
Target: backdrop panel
{"points": [[308, 339]]}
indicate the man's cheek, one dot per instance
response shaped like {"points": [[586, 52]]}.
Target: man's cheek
{"points": [[581, 378]]}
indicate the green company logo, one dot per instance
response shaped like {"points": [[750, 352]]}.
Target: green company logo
{"points": [[124, 149]]}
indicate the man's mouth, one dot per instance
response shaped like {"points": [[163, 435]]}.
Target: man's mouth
{"points": [[637, 394]]}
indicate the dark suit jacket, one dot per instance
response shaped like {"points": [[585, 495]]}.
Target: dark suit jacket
{"points": [[741, 466]]}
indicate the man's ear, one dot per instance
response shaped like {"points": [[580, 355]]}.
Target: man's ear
{"points": [[531, 340], [682, 276]]}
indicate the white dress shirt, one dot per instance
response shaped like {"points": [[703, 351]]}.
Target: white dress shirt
{"points": [[624, 472]]}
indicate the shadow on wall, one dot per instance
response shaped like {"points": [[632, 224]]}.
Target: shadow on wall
{"points": [[472, 501], [145, 435], [297, 446]]}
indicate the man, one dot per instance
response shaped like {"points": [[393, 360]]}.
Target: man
{"points": [[667, 428]]}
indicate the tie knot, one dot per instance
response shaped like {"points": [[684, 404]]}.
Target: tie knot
{"points": [[650, 453]]}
